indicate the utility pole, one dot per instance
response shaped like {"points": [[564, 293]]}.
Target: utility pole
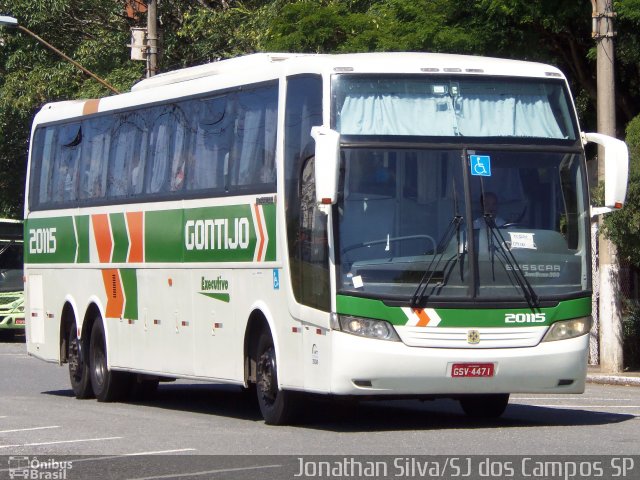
{"points": [[152, 37], [610, 310]]}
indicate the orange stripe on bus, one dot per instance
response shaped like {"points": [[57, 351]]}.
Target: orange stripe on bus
{"points": [[261, 232], [422, 315], [113, 289], [135, 224], [102, 232], [90, 106]]}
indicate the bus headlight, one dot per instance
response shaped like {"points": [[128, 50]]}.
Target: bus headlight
{"points": [[368, 327], [568, 329]]}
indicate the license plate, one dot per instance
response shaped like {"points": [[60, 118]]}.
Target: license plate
{"points": [[19, 321], [472, 370]]}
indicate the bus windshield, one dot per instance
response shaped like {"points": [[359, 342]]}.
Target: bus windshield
{"points": [[407, 217], [452, 106]]}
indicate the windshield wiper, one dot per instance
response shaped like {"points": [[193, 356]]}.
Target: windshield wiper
{"points": [[496, 238], [427, 276]]}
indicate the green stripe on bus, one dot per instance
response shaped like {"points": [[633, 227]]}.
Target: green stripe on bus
{"points": [[130, 288], [219, 234], [269, 210], [462, 317], [234, 233], [365, 307], [224, 297], [50, 240], [120, 238], [82, 230], [163, 236], [453, 317]]}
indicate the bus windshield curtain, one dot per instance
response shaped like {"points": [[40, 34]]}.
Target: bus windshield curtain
{"points": [[445, 115]]}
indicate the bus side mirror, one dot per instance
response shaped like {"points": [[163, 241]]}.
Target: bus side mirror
{"points": [[327, 164], [616, 171]]}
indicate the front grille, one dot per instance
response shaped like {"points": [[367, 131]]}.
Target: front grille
{"points": [[437, 337]]}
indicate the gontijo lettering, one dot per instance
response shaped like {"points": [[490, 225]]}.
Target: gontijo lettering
{"points": [[215, 234]]}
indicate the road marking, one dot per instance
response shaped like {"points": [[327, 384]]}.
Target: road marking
{"points": [[157, 452], [72, 441], [13, 355], [28, 429], [568, 397], [61, 441], [583, 406], [209, 472]]}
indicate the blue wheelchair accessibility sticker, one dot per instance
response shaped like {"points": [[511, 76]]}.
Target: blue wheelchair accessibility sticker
{"points": [[480, 165], [276, 279]]}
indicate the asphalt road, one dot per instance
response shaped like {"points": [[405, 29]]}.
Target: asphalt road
{"points": [[39, 417]]}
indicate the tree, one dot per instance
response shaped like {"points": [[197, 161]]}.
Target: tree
{"points": [[92, 32], [623, 227]]}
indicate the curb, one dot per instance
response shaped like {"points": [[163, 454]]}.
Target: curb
{"points": [[614, 380]]}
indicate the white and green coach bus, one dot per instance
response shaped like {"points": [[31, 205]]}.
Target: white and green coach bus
{"points": [[367, 225]]}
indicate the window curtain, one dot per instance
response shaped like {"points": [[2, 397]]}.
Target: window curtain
{"points": [[478, 116]]}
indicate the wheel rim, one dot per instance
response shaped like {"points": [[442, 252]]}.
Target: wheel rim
{"points": [[267, 376]]}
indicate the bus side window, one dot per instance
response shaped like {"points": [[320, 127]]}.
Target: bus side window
{"points": [[313, 249], [167, 150], [253, 154], [64, 173], [210, 145], [42, 163], [303, 111], [94, 159], [125, 158]]}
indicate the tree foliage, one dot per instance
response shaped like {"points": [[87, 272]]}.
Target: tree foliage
{"points": [[623, 227]]}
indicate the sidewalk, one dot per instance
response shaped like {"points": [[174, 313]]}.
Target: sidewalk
{"points": [[630, 378]]}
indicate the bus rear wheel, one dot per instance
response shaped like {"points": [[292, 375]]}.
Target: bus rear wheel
{"points": [[78, 366], [108, 385], [485, 406], [278, 407]]}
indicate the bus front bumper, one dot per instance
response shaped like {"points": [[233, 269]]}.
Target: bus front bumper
{"points": [[363, 366]]}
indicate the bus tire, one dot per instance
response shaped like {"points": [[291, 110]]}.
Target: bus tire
{"points": [[78, 366], [485, 406], [108, 385], [278, 407]]}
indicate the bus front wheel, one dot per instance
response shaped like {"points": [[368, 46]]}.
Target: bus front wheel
{"points": [[278, 407], [108, 385], [485, 406], [78, 366]]}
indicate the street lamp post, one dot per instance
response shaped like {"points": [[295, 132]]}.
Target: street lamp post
{"points": [[13, 23]]}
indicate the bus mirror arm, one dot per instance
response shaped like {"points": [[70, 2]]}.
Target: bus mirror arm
{"points": [[327, 165], [616, 168]]}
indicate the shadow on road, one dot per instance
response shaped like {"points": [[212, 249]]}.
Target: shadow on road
{"points": [[366, 416], [7, 336]]}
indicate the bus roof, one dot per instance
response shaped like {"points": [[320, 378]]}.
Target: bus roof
{"points": [[268, 66]]}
